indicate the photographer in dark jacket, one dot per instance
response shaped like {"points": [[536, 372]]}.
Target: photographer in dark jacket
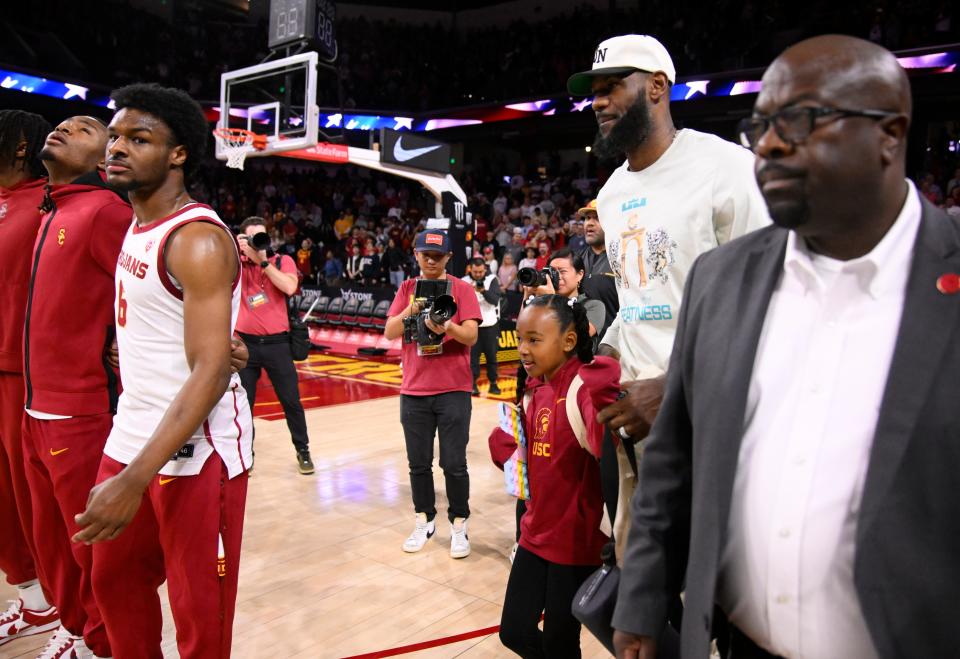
{"points": [[599, 282], [487, 288]]}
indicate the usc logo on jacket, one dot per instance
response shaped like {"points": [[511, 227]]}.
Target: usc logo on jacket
{"points": [[541, 427]]}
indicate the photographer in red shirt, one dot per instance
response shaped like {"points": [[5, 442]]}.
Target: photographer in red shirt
{"points": [[435, 393], [264, 326]]}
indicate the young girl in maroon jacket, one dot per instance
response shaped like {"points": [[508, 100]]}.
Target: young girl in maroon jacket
{"points": [[560, 538]]}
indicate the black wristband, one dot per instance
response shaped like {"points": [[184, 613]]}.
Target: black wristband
{"points": [[264, 264]]}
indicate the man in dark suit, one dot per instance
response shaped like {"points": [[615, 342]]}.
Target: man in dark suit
{"points": [[801, 473]]}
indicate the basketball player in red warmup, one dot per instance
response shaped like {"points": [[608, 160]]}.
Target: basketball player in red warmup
{"points": [[21, 192], [173, 481], [71, 391]]}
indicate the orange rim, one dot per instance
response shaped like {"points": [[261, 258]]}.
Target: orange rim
{"points": [[240, 137]]}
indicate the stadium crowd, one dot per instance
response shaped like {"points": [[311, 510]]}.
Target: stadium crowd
{"points": [[388, 65], [345, 224]]}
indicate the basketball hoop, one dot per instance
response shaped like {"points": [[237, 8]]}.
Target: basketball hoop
{"points": [[235, 143]]}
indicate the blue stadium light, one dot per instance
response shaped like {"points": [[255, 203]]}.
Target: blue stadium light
{"points": [[684, 90]]}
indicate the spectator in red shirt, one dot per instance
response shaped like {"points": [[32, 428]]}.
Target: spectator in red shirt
{"points": [[264, 326], [543, 255], [305, 258], [435, 395], [21, 191]]}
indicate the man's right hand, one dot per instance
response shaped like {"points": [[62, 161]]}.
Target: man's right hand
{"points": [[633, 646], [636, 411]]}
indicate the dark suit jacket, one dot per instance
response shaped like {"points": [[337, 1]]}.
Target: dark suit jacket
{"points": [[907, 558]]}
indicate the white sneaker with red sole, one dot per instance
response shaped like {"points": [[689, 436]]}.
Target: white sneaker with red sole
{"points": [[19, 622]]}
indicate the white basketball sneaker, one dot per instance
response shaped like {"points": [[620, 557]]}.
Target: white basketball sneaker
{"points": [[18, 621], [459, 542], [422, 532], [62, 645]]}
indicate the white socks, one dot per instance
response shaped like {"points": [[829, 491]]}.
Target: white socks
{"points": [[32, 596]]}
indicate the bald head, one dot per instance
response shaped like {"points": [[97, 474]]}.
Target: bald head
{"points": [[846, 72], [830, 134]]}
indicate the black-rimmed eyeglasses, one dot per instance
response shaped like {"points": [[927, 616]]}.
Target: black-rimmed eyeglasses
{"points": [[794, 125]]}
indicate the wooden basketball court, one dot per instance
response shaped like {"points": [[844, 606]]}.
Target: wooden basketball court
{"points": [[322, 573]]}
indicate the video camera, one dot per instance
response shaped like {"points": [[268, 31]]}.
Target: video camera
{"points": [[533, 278], [438, 305]]}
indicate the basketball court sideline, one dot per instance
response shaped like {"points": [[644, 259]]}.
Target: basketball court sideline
{"points": [[322, 573]]}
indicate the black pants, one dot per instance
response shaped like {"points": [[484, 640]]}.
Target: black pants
{"points": [[609, 474], [538, 586], [487, 340], [521, 509], [448, 415], [272, 353]]}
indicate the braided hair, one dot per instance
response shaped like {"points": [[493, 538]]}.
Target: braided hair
{"points": [[568, 312], [18, 126]]}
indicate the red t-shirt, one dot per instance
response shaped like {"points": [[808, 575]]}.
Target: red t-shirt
{"points": [[450, 370], [263, 306], [562, 522], [19, 222], [481, 233]]}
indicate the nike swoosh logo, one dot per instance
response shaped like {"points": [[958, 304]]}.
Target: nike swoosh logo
{"points": [[403, 155], [164, 481], [52, 452]]}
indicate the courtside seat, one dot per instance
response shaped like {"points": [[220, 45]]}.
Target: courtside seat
{"points": [[349, 317], [319, 310], [380, 314], [365, 313], [334, 312]]}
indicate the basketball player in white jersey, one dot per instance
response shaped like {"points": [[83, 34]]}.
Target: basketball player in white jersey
{"points": [[172, 484]]}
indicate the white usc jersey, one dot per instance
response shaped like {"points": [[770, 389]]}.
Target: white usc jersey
{"points": [[153, 364]]}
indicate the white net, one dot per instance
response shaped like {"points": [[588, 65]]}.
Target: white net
{"points": [[235, 144]]}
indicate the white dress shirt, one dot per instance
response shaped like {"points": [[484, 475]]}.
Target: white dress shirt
{"points": [[786, 572]]}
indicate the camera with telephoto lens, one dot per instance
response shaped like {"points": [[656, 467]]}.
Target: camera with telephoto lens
{"points": [[437, 304], [259, 241], [533, 278]]}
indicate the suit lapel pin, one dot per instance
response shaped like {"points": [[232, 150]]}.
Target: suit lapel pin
{"points": [[949, 284]]}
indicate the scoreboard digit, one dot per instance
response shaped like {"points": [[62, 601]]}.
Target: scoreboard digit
{"points": [[293, 21]]}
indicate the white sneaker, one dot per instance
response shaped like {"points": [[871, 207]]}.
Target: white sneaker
{"points": [[61, 645], [19, 622], [422, 532], [459, 542], [81, 651]]}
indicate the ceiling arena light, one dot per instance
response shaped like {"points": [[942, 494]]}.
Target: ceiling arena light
{"points": [[936, 63]]}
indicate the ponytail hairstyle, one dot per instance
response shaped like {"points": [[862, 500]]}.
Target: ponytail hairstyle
{"points": [[568, 312]]}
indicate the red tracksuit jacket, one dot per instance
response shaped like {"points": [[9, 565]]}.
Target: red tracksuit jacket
{"points": [[562, 522], [19, 221], [69, 322]]}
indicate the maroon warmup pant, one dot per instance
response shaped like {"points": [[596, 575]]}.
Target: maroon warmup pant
{"points": [[17, 556], [187, 531], [62, 458]]}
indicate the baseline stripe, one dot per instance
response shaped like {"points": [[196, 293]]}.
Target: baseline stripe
{"points": [[426, 645]]}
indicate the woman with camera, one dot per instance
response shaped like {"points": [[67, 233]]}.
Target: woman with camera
{"points": [[563, 276]]}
